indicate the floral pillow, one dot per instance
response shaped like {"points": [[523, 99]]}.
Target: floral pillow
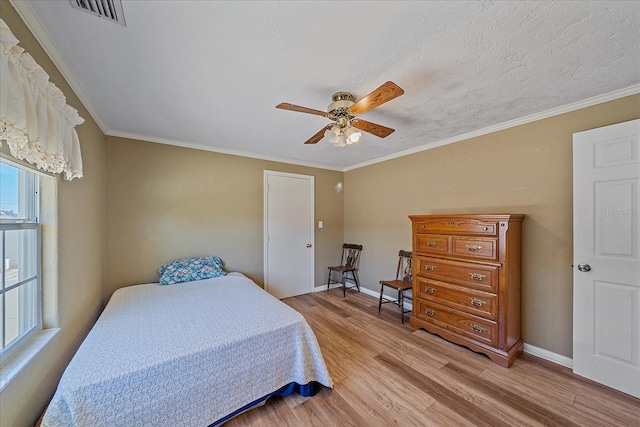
{"points": [[189, 269]]}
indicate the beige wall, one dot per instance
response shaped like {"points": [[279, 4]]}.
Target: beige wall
{"points": [[526, 169], [141, 204], [81, 255], [166, 202]]}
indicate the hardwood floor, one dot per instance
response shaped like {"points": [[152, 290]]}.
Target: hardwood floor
{"points": [[389, 374]]}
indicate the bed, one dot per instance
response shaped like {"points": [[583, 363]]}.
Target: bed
{"points": [[190, 354]]}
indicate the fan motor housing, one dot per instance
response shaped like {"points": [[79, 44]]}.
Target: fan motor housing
{"points": [[340, 100]]}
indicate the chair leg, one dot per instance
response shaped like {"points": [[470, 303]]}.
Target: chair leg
{"points": [[344, 285], [355, 278], [380, 302], [401, 304], [329, 280]]}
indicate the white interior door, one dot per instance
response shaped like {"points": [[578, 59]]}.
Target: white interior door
{"points": [[289, 234], [606, 235]]}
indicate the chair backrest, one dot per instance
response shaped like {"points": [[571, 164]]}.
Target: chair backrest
{"points": [[405, 266], [350, 255]]}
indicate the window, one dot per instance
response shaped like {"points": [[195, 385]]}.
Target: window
{"points": [[20, 282]]}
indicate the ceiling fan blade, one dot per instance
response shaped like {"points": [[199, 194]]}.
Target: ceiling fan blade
{"points": [[384, 93], [372, 128], [318, 136], [291, 107]]}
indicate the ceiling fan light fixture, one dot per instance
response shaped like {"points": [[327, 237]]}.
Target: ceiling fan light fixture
{"points": [[343, 110], [331, 137], [352, 135], [333, 134]]}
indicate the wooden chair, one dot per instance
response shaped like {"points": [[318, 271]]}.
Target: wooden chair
{"points": [[348, 264], [405, 265]]}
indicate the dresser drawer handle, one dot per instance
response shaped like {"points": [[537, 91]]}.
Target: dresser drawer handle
{"points": [[429, 267], [429, 290], [477, 302], [477, 328], [432, 243], [477, 276], [473, 248], [430, 312], [422, 227]]}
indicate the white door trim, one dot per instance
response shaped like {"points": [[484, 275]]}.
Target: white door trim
{"points": [[311, 179]]}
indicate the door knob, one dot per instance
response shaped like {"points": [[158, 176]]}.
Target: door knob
{"points": [[308, 245], [584, 267]]}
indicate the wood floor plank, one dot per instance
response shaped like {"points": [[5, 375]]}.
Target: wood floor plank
{"points": [[387, 373], [295, 399], [453, 352], [261, 417], [510, 397], [366, 404], [299, 304], [541, 387], [331, 410], [334, 302], [540, 383], [439, 415], [606, 411], [355, 335], [402, 344], [446, 393], [390, 393]]}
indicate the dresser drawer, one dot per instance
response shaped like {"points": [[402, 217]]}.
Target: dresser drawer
{"points": [[473, 327], [476, 248], [476, 276], [464, 299], [432, 244], [456, 226]]}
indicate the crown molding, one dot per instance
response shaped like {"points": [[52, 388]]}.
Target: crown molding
{"points": [[203, 147], [589, 102]]}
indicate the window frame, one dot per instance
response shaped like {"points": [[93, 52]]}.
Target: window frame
{"points": [[29, 213]]}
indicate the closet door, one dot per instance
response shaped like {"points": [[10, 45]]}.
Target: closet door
{"points": [[288, 234]]}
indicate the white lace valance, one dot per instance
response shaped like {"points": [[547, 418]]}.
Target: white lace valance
{"points": [[35, 120]]}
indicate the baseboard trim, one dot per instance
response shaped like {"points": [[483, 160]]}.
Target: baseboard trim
{"points": [[548, 355], [323, 288]]}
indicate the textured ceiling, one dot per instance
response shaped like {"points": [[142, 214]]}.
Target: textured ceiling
{"points": [[209, 74]]}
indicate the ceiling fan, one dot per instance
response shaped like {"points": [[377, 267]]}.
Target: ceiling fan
{"points": [[344, 111]]}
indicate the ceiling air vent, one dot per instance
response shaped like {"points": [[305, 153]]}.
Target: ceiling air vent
{"points": [[107, 9]]}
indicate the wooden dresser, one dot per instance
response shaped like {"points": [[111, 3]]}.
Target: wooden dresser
{"points": [[466, 281]]}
